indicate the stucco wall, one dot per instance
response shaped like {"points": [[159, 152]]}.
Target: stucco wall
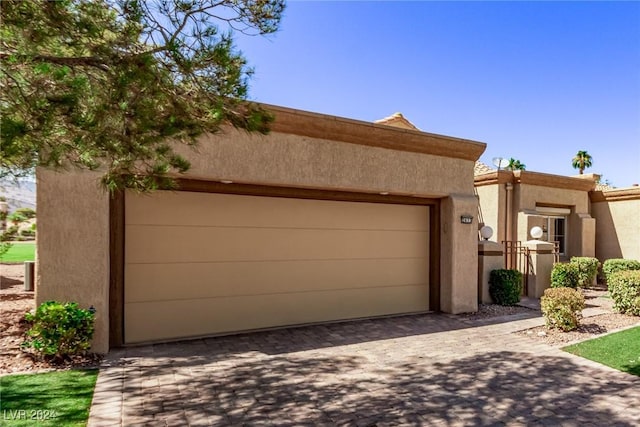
{"points": [[459, 256], [528, 196], [617, 229], [580, 230], [291, 160], [73, 244], [491, 207]]}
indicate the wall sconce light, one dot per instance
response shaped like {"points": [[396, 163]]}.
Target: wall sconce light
{"points": [[536, 232], [486, 232]]}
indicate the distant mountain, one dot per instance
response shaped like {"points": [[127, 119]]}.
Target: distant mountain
{"points": [[21, 194]]}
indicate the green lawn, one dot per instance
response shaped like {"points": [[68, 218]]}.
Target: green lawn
{"points": [[620, 350], [20, 252], [60, 398]]}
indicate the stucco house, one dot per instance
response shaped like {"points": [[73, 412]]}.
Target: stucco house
{"points": [[512, 202], [324, 219], [582, 216]]}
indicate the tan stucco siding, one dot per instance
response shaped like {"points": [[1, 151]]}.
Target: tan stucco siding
{"points": [[73, 244], [492, 209], [290, 160], [580, 237], [529, 196], [459, 256], [617, 229]]}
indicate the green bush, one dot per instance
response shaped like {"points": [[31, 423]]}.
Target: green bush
{"points": [[564, 275], [624, 289], [587, 269], [614, 265], [28, 213], [505, 286], [562, 308], [27, 233], [59, 329]]}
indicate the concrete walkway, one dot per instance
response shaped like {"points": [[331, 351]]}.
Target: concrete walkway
{"points": [[433, 370]]}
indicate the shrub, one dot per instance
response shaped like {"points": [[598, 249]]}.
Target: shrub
{"points": [[27, 233], [562, 308], [505, 286], [587, 269], [564, 275], [59, 329], [28, 213], [614, 265], [624, 288]]}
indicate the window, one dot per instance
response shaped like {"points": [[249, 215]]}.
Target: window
{"points": [[555, 229], [558, 233]]}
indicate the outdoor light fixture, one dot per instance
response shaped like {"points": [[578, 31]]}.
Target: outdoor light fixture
{"points": [[226, 181], [536, 232], [384, 193], [486, 232]]}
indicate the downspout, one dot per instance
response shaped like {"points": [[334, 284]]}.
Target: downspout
{"points": [[509, 225]]}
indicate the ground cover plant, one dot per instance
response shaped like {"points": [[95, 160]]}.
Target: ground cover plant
{"points": [[48, 399], [620, 350], [20, 252]]}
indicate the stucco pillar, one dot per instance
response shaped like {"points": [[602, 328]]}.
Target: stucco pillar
{"points": [[540, 264], [587, 233], [459, 255], [490, 257], [73, 244]]}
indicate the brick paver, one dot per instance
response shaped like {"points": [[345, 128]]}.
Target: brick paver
{"points": [[430, 369]]}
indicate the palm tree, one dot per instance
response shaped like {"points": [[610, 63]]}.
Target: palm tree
{"points": [[581, 161], [515, 165]]}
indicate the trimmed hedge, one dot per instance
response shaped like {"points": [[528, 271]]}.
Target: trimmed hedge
{"points": [[614, 265], [562, 308], [587, 269], [505, 286], [624, 288], [564, 275]]}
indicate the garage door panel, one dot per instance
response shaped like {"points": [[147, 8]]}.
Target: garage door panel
{"points": [[163, 282], [159, 244], [198, 209], [201, 264], [165, 320]]}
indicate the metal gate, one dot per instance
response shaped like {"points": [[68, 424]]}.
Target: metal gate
{"points": [[518, 257]]}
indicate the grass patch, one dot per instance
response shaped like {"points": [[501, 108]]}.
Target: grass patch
{"points": [[51, 399], [620, 350], [20, 252]]}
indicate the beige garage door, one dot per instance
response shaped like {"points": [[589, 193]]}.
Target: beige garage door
{"points": [[201, 264]]}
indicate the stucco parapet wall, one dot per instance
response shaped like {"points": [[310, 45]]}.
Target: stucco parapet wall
{"points": [[323, 126], [534, 178], [618, 194]]}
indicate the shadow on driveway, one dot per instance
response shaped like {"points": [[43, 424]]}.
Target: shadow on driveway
{"points": [[396, 371]]}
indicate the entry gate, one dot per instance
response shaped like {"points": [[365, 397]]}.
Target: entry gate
{"points": [[518, 257]]}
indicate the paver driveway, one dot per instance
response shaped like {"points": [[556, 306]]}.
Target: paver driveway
{"points": [[410, 370]]}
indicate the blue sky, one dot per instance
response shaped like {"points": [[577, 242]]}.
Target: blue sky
{"points": [[536, 81]]}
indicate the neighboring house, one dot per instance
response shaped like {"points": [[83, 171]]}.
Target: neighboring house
{"points": [[512, 202], [584, 217], [324, 219], [616, 212]]}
